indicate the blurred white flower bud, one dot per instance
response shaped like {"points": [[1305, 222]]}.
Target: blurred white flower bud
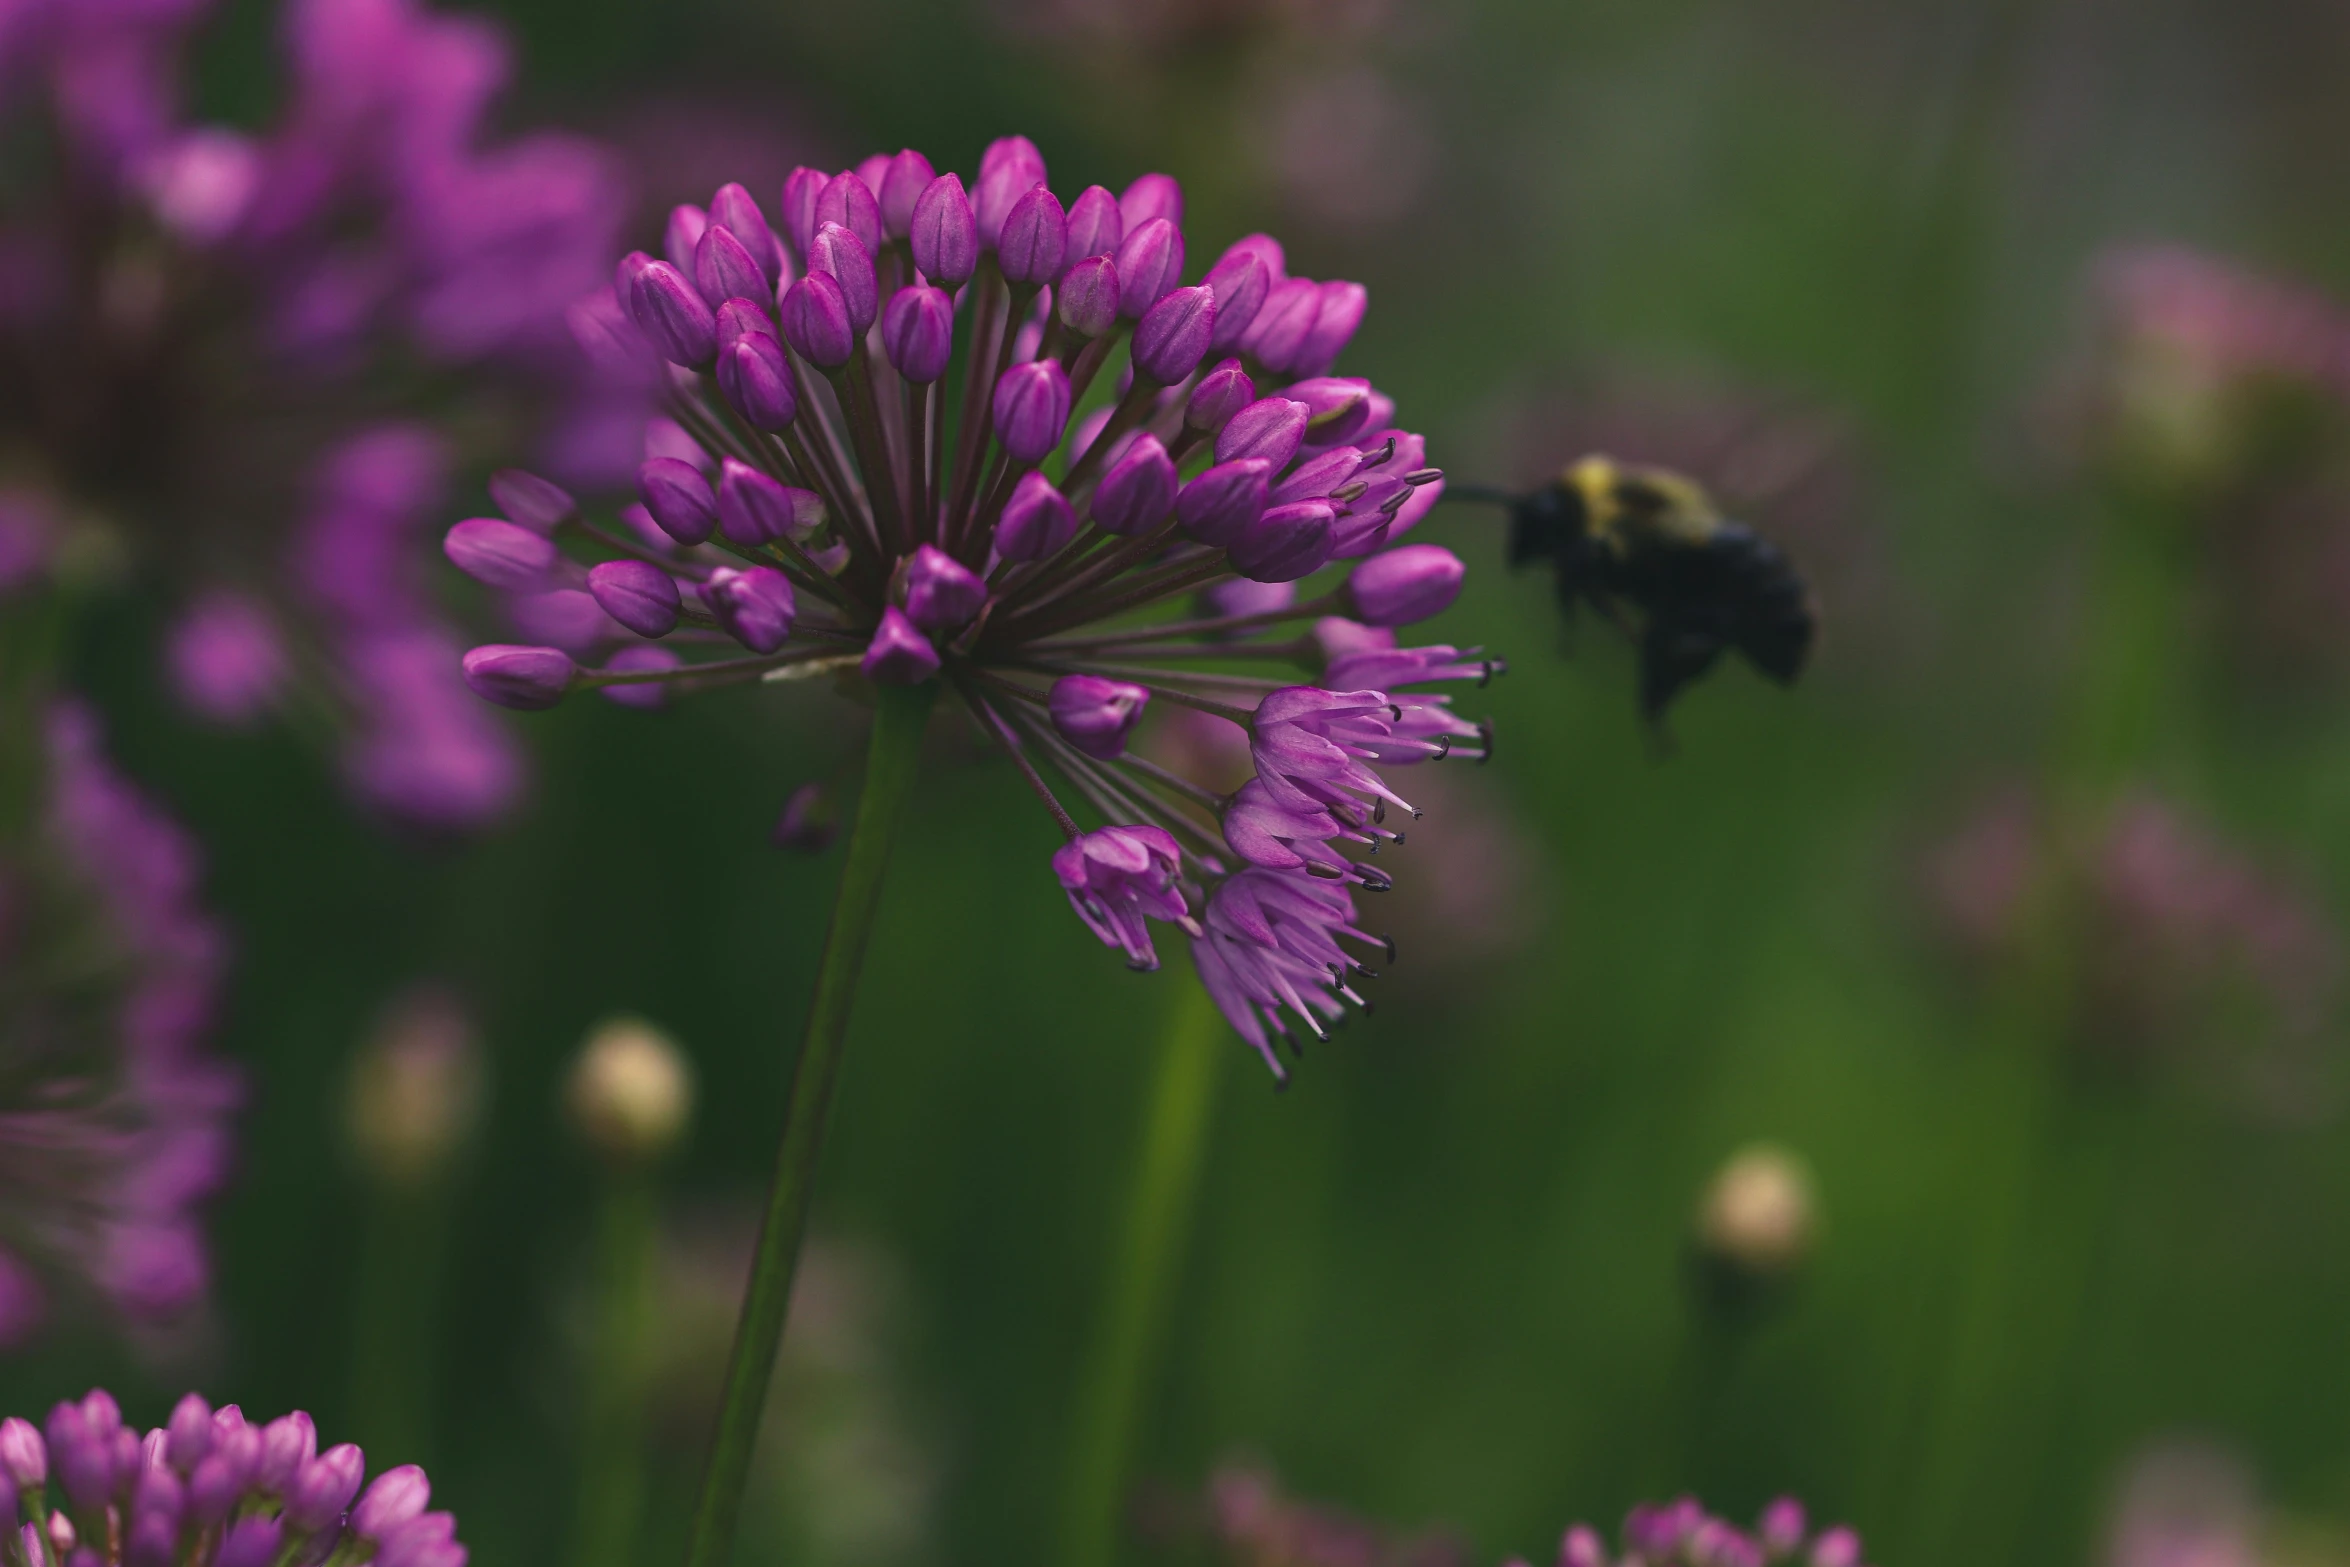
{"points": [[631, 1090], [416, 1088], [1759, 1214]]}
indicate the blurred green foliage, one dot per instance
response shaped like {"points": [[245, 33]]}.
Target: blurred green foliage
{"points": [[1445, 1276]]}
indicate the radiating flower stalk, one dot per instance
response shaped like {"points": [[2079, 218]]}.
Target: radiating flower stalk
{"points": [[925, 439], [207, 1489], [244, 364], [629, 1097]]}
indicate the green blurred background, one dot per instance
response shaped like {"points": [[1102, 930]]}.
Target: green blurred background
{"points": [[1445, 1279]]}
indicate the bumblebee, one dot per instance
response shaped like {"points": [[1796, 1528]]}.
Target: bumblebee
{"points": [[1648, 550]]}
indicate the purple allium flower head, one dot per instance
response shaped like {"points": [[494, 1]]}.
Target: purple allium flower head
{"points": [[917, 519], [373, 227], [1118, 876], [114, 1129], [211, 1487], [1681, 1533]]}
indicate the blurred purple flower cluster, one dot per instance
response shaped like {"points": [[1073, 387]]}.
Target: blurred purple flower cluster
{"points": [[1682, 1533], [2189, 942], [249, 355], [1256, 1525], [113, 1121], [806, 507], [209, 1486]]}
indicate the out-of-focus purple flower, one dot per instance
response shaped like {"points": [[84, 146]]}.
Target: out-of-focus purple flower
{"points": [[941, 540], [2185, 1504], [1681, 1533], [1255, 1525], [215, 1485], [116, 1129], [256, 306]]}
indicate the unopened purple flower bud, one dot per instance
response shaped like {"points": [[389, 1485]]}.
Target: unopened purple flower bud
{"points": [[1218, 505], [1270, 427], [1138, 490], [1096, 715], [396, 1496], [1318, 475], [221, 1479], [1036, 521], [753, 605], [848, 201], [599, 324], [1010, 168], [1172, 337], [632, 266], [1342, 407], [944, 234], [530, 501], [1279, 331], [1782, 1527], [636, 658], [1240, 283], [1338, 312], [527, 678], [918, 333], [250, 1542], [838, 251], [909, 174], [756, 380], [498, 553], [1152, 196], [323, 1487], [84, 1460], [1035, 233], [1837, 1547], [638, 594], [287, 1443], [1150, 262], [415, 1542], [725, 269], [24, 1457], [816, 321], [899, 654], [1095, 225], [678, 240], [941, 592], [153, 1542], [1265, 248], [679, 498], [1286, 543], [1088, 296], [1338, 638], [1219, 394], [189, 1431], [738, 210], [754, 509], [672, 315], [158, 1492], [801, 188], [1031, 409]]}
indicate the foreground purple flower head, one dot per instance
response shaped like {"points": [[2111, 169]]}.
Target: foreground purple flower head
{"points": [[1681, 1533], [247, 314], [211, 1486], [1129, 450], [114, 1122]]}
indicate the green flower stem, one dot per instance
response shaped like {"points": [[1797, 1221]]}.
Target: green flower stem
{"points": [[395, 1365], [1142, 1273], [892, 762], [2031, 1248], [612, 1453]]}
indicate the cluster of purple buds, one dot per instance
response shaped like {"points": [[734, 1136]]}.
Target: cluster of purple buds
{"points": [[244, 313], [1681, 1533], [1129, 443], [208, 1487]]}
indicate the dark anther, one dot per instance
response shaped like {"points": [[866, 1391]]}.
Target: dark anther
{"points": [[1420, 476], [1485, 733], [1389, 943], [1386, 455]]}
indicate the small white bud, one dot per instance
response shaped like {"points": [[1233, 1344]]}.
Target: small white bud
{"points": [[1759, 1213], [631, 1090], [416, 1088]]}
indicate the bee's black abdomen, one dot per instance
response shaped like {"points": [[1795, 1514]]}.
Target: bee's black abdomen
{"points": [[1775, 621]]}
